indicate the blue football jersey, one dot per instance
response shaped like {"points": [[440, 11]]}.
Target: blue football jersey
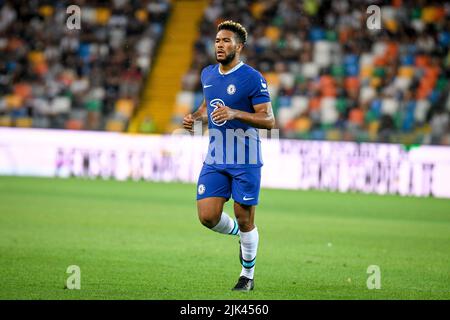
{"points": [[233, 143]]}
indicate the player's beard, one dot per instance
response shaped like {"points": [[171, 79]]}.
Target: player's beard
{"points": [[228, 58]]}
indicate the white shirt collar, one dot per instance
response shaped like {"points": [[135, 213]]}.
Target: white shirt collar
{"points": [[240, 64]]}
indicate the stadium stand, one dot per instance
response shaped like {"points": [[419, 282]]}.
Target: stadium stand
{"points": [[330, 77], [173, 59], [88, 78]]}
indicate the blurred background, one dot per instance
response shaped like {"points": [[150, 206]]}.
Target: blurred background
{"points": [[134, 66]]}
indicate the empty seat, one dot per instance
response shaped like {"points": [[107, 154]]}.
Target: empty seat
{"points": [[420, 113], [24, 122], [74, 124], [115, 125], [102, 15], [61, 105], [5, 121], [389, 106], [299, 105], [310, 70], [328, 112], [287, 80], [284, 116], [125, 107], [13, 101]]}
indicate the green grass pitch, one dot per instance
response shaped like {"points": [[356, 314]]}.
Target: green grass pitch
{"points": [[140, 240]]}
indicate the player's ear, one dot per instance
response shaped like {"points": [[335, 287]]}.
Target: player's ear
{"points": [[240, 46]]}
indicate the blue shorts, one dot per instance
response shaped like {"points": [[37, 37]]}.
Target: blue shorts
{"points": [[242, 184]]}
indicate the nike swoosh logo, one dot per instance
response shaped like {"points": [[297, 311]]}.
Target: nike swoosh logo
{"points": [[207, 86], [247, 199]]}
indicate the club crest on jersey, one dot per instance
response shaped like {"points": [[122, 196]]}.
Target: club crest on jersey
{"points": [[215, 103], [201, 189], [231, 89]]}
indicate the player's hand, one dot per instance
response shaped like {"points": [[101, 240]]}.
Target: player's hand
{"points": [[223, 113], [188, 122]]}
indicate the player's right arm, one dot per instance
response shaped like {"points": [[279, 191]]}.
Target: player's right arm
{"points": [[200, 114]]}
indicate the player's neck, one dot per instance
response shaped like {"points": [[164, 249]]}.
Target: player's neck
{"points": [[224, 68]]}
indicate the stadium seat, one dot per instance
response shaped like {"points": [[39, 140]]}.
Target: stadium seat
{"points": [[36, 57], [310, 70], [337, 71], [314, 103], [5, 121], [420, 112], [407, 60], [46, 10], [23, 90], [316, 34], [376, 82], [318, 134], [333, 135], [341, 105], [402, 83], [299, 105], [322, 53], [328, 112], [356, 117], [303, 124], [351, 70], [102, 15], [61, 105], [125, 107], [287, 80], [422, 61], [41, 122], [351, 83], [141, 15], [74, 124], [375, 107], [24, 122], [13, 101], [115, 125], [284, 116], [366, 71], [89, 15], [366, 59], [273, 33], [408, 122], [366, 94], [406, 71], [284, 102], [389, 106]]}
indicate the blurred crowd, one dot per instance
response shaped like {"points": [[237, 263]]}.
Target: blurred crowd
{"points": [[54, 76], [331, 77]]}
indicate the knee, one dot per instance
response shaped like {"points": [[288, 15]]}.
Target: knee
{"points": [[207, 220], [245, 224]]}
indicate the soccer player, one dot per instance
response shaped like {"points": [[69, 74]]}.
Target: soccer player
{"points": [[236, 103]]}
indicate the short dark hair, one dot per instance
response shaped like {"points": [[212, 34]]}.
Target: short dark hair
{"points": [[235, 27]]}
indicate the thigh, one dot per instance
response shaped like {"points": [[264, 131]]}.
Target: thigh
{"points": [[245, 185], [213, 183]]}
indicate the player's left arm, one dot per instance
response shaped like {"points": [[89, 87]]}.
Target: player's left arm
{"points": [[263, 117]]}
